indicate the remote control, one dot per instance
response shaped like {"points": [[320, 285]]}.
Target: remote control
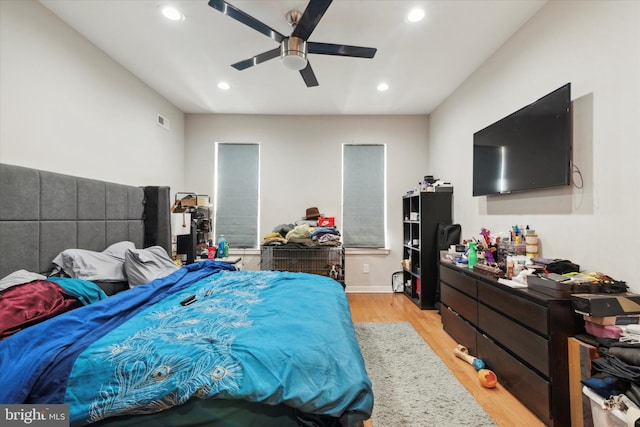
{"points": [[188, 300]]}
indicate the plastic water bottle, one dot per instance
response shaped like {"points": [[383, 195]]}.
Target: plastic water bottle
{"points": [[473, 255], [223, 247]]}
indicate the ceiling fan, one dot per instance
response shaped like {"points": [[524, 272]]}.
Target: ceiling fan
{"points": [[293, 49]]}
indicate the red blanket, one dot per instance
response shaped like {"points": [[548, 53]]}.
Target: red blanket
{"points": [[24, 305]]}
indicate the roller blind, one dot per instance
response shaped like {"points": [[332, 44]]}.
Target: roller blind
{"points": [[363, 196], [237, 194]]}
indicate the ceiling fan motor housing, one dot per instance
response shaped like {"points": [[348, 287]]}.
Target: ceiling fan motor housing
{"points": [[293, 52]]}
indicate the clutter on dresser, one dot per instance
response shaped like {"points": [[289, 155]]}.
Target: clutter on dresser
{"points": [[491, 255], [558, 285], [489, 271], [514, 259]]}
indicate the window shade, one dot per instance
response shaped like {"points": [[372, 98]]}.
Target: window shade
{"points": [[363, 196], [237, 193]]}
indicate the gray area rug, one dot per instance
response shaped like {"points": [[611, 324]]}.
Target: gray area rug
{"points": [[412, 386]]}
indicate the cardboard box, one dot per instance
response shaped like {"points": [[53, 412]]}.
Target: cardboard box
{"points": [[202, 200], [602, 305], [189, 201], [326, 221]]}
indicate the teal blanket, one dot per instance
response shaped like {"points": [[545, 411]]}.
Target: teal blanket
{"points": [[268, 337]]}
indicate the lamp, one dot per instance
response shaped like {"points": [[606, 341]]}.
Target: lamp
{"points": [[293, 52]]}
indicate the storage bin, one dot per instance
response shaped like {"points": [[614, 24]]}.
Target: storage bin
{"points": [[397, 281], [603, 417]]}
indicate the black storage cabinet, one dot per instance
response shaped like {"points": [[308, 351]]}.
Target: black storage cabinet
{"points": [[421, 214]]}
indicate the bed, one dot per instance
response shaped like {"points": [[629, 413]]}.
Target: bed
{"points": [[202, 345]]}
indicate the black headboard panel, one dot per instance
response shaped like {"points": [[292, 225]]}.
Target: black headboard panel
{"points": [[43, 213]]}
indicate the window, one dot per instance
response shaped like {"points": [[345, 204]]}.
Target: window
{"points": [[363, 196], [237, 194]]}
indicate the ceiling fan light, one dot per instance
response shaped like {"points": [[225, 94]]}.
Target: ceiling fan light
{"points": [[294, 62], [172, 13], [415, 15], [293, 52]]}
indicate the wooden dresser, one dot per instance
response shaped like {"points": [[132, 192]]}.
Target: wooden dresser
{"points": [[521, 335]]}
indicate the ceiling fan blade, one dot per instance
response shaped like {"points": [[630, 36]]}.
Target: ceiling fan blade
{"points": [[308, 76], [248, 20], [258, 59], [310, 18], [341, 50]]}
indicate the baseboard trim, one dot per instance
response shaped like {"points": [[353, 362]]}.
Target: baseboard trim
{"points": [[369, 289]]}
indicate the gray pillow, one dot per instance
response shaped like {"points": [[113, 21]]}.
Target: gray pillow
{"points": [[145, 265], [107, 266]]}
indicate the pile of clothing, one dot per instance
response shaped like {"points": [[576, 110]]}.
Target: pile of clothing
{"points": [[303, 233]]}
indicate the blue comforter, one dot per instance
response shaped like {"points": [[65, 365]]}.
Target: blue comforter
{"points": [[270, 337]]}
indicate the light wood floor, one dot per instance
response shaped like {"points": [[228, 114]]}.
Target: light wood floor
{"points": [[505, 409]]}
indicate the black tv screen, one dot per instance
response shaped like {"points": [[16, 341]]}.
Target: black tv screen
{"points": [[527, 150]]}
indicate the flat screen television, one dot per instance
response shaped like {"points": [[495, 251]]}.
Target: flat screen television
{"points": [[527, 150]]}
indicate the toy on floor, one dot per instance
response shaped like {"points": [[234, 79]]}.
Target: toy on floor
{"points": [[487, 377]]}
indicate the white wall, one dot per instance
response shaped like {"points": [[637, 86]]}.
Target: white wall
{"points": [[67, 107], [595, 45], [301, 160]]}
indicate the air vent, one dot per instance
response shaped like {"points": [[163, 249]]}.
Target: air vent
{"points": [[164, 122]]}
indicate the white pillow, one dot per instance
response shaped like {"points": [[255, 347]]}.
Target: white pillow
{"points": [[145, 265], [18, 278]]}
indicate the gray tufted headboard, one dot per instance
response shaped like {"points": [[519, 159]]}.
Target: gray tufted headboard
{"points": [[43, 213]]}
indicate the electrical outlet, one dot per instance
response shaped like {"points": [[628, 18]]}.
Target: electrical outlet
{"points": [[365, 268]]}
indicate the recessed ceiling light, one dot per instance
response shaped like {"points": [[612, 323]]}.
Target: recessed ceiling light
{"points": [[172, 13], [383, 87], [224, 86], [415, 15]]}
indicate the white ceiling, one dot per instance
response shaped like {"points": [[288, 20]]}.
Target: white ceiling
{"points": [[422, 62]]}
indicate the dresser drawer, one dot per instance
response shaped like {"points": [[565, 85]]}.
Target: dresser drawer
{"points": [[460, 281], [459, 329], [531, 389], [463, 304], [528, 313], [526, 344]]}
